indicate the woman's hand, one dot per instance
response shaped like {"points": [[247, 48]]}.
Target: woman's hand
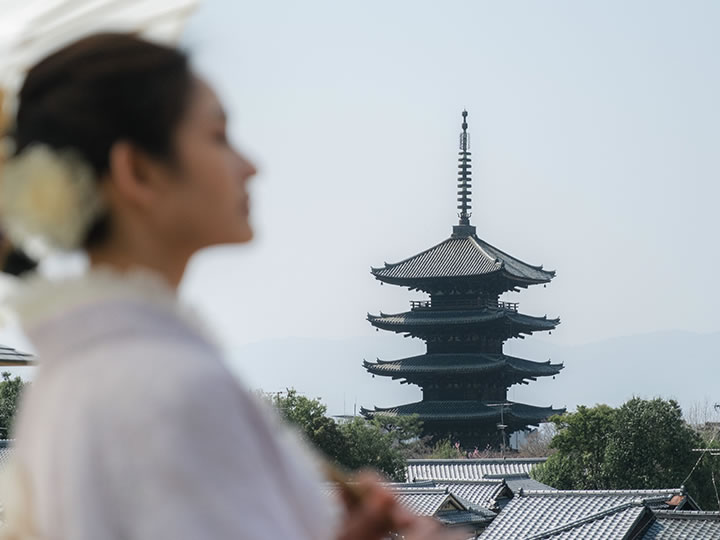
{"points": [[377, 513]]}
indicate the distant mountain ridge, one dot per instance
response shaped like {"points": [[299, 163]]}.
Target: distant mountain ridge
{"points": [[680, 365]]}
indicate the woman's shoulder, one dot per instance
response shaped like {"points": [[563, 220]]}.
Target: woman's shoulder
{"points": [[167, 372]]}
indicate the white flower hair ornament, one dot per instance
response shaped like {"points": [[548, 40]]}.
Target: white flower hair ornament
{"points": [[48, 198]]}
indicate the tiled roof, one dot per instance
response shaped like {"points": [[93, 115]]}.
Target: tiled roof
{"points": [[410, 321], [623, 521], [424, 500], [441, 504], [674, 525], [5, 452], [10, 357], [476, 518], [477, 493], [430, 364], [466, 410], [468, 469], [524, 482], [466, 256], [574, 514], [427, 501]]}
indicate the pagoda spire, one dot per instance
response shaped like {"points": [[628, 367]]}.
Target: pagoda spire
{"points": [[464, 183]]}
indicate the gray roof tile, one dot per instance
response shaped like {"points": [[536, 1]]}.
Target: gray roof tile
{"points": [[477, 493], [427, 501], [10, 357], [468, 469], [568, 515], [683, 525], [467, 256]]}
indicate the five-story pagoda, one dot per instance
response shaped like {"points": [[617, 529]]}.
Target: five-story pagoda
{"points": [[464, 374]]}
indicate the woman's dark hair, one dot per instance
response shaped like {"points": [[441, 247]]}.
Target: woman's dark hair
{"points": [[102, 89]]}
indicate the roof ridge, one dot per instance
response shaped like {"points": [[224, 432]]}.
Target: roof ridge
{"points": [[476, 241], [511, 476], [536, 267], [486, 480], [687, 514], [477, 460], [601, 492], [421, 490]]}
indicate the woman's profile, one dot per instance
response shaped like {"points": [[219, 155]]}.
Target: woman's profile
{"points": [[133, 428]]}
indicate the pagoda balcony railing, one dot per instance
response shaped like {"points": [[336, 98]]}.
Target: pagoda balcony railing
{"points": [[427, 304]]}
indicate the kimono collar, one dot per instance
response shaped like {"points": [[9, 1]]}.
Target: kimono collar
{"points": [[98, 302]]}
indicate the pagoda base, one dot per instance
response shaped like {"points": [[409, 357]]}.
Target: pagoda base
{"points": [[474, 424]]}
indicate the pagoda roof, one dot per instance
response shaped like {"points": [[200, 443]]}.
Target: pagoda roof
{"points": [[411, 321], [461, 363], [10, 357], [462, 256], [466, 411]]}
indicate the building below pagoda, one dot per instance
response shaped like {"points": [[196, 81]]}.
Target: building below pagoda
{"points": [[464, 374]]}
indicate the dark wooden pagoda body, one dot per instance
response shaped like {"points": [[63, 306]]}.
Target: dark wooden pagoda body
{"points": [[464, 374]]}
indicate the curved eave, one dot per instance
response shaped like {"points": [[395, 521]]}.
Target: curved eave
{"points": [[466, 364], [425, 283], [510, 262], [414, 322], [443, 411]]}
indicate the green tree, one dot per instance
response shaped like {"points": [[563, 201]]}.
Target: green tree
{"points": [[310, 416], [10, 390], [355, 444], [651, 445], [369, 445], [644, 444], [580, 441], [704, 482]]}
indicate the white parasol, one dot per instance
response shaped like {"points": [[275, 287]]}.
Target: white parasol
{"points": [[30, 29]]}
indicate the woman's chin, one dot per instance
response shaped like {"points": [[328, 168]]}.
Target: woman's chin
{"points": [[239, 235], [242, 235]]}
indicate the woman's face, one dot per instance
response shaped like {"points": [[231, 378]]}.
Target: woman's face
{"points": [[208, 203]]}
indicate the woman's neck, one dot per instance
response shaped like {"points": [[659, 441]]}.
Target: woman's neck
{"points": [[170, 267]]}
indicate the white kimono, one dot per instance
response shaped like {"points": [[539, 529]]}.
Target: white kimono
{"points": [[134, 429]]}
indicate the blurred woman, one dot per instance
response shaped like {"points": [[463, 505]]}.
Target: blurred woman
{"points": [[133, 428]]}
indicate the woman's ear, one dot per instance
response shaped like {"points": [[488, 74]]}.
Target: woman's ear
{"points": [[133, 175]]}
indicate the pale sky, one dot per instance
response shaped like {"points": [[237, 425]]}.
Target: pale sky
{"points": [[594, 132]]}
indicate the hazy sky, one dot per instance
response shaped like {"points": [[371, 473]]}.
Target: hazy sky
{"points": [[594, 132]]}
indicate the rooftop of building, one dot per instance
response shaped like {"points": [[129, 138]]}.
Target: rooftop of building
{"points": [[673, 524], [469, 469], [462, 257], [582, 514], [10, 357]]}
